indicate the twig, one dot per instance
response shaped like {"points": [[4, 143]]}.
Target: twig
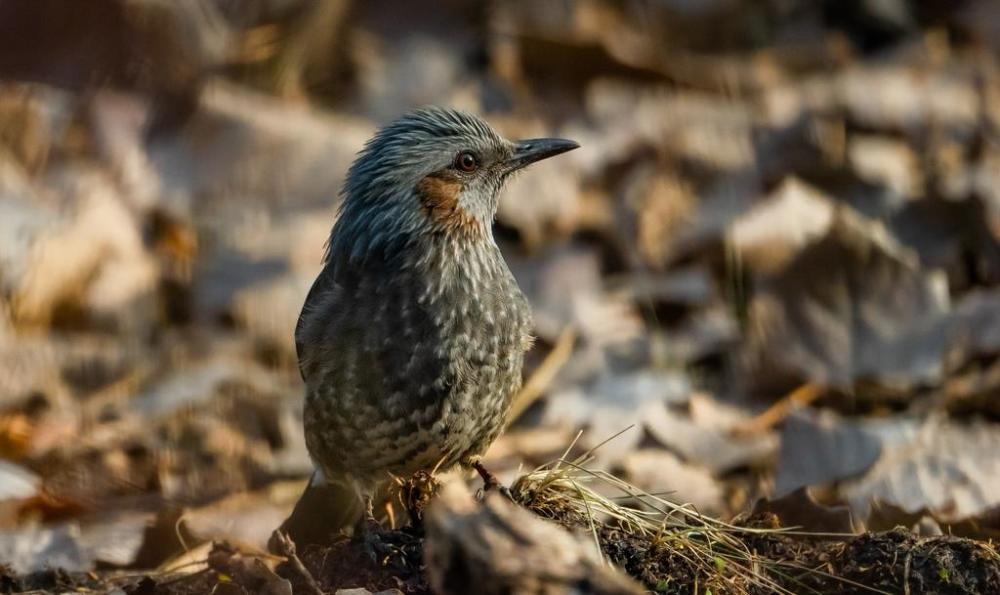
{"points": [[544, 374], [286, 548], [775, 414]]}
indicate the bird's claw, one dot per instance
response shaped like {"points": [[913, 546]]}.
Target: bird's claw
{"points": [[491, 483], [368, 533], [373, 546]]}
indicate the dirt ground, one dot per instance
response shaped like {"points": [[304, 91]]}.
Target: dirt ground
{"points": [[896, 561]]}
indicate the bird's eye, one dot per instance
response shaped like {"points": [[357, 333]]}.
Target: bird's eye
{"points": [[466, 161]]}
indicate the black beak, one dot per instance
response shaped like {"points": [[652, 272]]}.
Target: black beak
{"points": [[529, 151]]}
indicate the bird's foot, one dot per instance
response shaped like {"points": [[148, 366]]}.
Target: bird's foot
{"points": [[490, 481], [368, 533]]}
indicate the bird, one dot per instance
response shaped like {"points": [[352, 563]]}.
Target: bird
{"points": [[412, 338]]}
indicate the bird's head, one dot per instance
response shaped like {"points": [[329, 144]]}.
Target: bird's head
{"points": [[433, 171]]}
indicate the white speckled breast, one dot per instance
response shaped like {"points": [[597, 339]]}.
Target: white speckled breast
{"points": [[413, 365]]}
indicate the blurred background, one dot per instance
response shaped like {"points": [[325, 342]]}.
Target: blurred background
{"points": [[774, 260]]}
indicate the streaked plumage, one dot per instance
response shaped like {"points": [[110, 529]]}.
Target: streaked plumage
{"points": [[412, 338]]}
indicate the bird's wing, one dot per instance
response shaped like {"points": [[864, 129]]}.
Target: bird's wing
{"points": [[324, 290]]}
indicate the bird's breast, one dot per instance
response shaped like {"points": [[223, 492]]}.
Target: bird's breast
{"points": [[419, 364], [479, 311]]}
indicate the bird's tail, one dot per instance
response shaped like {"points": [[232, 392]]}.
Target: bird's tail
{"points": [[325, 509]]}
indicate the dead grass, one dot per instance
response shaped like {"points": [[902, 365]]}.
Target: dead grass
{"points": [[650, 535]]}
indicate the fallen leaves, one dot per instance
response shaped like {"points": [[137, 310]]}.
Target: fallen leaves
{"points": [[775, 258], [846, 309], [926, 466]]}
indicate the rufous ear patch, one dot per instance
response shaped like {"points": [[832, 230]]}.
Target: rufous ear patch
{"points": [[438, 196]]}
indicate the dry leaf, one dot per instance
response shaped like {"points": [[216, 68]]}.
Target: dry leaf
{"points": [[949, 468], [847, 308]]}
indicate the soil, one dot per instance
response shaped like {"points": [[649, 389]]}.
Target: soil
{"points": [[896, 561]]}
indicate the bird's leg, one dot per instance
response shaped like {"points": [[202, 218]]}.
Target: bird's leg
{"points": [[490, 481], [367, 529], [369, 503], [367, 523]]}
